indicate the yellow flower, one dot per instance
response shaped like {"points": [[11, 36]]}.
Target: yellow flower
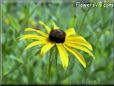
{"points": [[67, 41]]}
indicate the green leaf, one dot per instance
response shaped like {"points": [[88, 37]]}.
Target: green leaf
{"points": [[17, 59]]}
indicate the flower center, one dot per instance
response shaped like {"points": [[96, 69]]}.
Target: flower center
{"points": [[57, 36]]}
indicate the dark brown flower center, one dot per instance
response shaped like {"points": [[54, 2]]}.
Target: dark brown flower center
{"points": [[57, 36]]}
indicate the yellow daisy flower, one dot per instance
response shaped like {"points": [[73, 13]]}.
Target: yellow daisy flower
{"points": [[64, 41]]}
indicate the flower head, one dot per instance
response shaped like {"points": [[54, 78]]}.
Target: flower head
{"points": [[57, 36], [67, 41]]}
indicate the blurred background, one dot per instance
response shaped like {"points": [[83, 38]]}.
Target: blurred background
{"points": [[28, 67]]}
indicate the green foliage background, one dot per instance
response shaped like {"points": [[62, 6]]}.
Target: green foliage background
{"points": [[95, 24]]}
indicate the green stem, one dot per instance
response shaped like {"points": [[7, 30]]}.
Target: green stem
{"points": [[57, 78], [52, 58], [81, 25], [50, 65]]}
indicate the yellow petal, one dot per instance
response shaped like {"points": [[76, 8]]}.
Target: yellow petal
{"points": [[32, 36], [78, 55], [80, 48], [70, 32], [46, 48], [79, 40], [35, 43], [63, 55], [38, 31], [55, 26], [46, 27]]}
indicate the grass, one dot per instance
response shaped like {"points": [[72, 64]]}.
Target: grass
{"points": [[27, 67]]}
